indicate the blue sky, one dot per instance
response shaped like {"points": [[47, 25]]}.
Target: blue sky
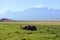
{"points": [[21, 5]]}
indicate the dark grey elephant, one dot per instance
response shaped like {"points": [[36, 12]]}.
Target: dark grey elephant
{"points": [[29, 27]]}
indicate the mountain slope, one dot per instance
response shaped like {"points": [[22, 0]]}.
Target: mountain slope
{"points": [[34, 14], [7, 20]]}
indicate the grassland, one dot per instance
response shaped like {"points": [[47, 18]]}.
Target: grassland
{"points": [[46, 31], [37, 22]]}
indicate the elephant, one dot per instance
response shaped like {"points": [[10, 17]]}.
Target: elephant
{"points": [[29, 27]]}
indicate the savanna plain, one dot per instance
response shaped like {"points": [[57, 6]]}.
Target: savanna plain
{"points": [[45, 31]]}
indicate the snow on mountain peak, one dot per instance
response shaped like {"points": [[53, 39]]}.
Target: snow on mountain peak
{"points": [[39, 6]]}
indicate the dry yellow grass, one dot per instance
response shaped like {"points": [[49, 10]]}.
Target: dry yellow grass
{"points": [[40, 22]]}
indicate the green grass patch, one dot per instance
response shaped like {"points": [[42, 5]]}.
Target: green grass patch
{"points": [[14, 32]]}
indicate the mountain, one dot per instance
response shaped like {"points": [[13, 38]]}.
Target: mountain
{"points": [[33, 14], [7, 20]]}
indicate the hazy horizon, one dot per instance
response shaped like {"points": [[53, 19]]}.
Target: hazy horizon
{"points": [[24, 9]]}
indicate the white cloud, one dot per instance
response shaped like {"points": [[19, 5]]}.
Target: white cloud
{"points": [[39, 6]]}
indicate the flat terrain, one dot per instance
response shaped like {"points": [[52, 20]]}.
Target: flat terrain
{"points": [[39, 22], [45, 31]]}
